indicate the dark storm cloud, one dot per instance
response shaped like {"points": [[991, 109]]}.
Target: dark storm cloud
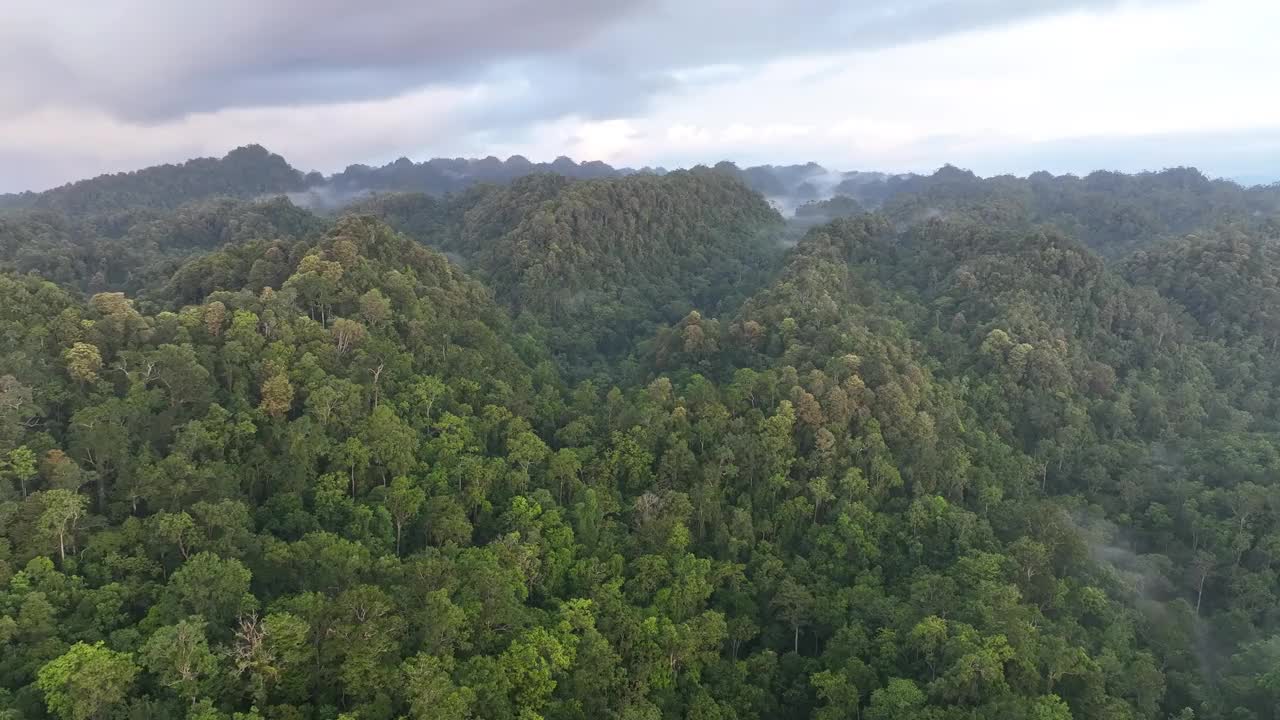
{"points": [[149, 61]]}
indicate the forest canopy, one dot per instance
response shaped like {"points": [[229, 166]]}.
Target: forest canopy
{"points": [[570, 442]]}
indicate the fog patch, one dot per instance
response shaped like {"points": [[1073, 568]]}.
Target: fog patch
{"points": [[1113, 549], [1151, 581], [327, 198]]}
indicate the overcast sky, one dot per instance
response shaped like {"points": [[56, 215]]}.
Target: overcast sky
{"points": [[992, 85]]}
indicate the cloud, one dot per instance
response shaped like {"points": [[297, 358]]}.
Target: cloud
{"points": [[876, 84], [1135, 88], [149, 61], [47, 147], [143, 60]]}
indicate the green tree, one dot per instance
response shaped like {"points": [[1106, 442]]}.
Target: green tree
{"points": [[20, 465], [431, 692], [177, 529], [838, 692], [899, 700], [179, 656], [267, 653], [404, 501], [213, 588], [392, 444], [795, 605], [87, 682], [63, 510]]}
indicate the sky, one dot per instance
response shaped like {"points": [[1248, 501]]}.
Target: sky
{"points": [[996, 86]]}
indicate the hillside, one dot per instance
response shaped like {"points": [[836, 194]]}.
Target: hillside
{"points": [[1113, 213], [628, 447], [601, 263], [137, 249], [248, 172], [441, 176], [1226, 278]]}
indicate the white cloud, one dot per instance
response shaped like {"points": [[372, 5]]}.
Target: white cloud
{"points": [[323, 136], [1010, 97], [1195, 68]]}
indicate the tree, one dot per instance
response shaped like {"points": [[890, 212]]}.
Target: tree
{"points": [[369, 632], [100, 438], [346, 334], [563, 470], [17, 409], [899, 700], [118, 320], [404, 500], [530, 664], [179, 656], [175, 528], [83, 362], [929, 638], [211, 587], [215, 315], [354, 456], [1201, 569], [316, 282], [265, 651], [375, 308], [838, 692], [86, 682], [62, 472], [20, 465], [795, 605], [177, 369], [63, 510], [431, 692], [392, 444], [525, 449], [277, 395]]}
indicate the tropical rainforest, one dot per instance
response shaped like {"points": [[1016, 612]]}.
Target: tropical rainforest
{"points": [[507, 441]]}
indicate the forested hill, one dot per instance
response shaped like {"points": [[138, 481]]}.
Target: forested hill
{"points": [[626, 448], [600, 264], [246, 172], [440, 176], [1226, 278], [252, 172], [137, 250], [1113, 213]]}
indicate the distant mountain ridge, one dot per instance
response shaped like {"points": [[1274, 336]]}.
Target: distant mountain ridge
{"points": [[1110, 211], [246, 172], [253, 171]]}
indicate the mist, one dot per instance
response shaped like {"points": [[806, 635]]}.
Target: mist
{"points": [[327, 198], [1150, 581]]}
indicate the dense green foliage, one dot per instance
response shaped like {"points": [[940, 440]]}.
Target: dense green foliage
{"points": [[1110, 212], [580, 449], [1227, 278], [600, 264], [839, 206], [137, 250], [442, 176]]}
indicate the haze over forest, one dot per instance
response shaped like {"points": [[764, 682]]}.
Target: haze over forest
{"points": [[482, 438], [922, 366]]}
